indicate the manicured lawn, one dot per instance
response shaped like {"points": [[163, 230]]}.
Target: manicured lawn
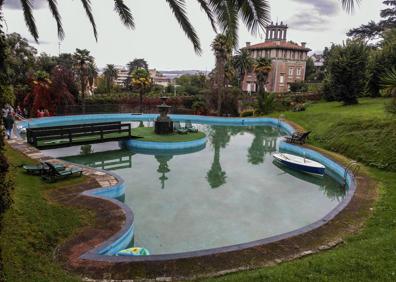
{"points": [[364, 132], [34, 227], [147, 134]]}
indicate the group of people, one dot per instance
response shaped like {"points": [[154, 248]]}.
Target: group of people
{"points": [[42, 113], [8, 120]]}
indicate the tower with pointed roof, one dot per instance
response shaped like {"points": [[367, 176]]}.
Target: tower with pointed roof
{"points": [[288, 60]]}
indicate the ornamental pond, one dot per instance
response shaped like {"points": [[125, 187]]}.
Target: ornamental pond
{"points": [[225, 193]]}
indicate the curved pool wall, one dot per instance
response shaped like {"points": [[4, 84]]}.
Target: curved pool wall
{"points": [[163, 146], [151, 117], [119, 241]]}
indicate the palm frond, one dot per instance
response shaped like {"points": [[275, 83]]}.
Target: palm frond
{"points": [[178, 8], [88, 10], [53, 5], [255, 14], [388, 81], [29, 18], [349, 5], [205, 7], [125, 13]]}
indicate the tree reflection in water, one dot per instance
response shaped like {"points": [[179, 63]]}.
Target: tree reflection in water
{"points": [[264, 142]]}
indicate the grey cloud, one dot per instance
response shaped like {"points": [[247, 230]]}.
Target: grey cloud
{"points": [[323, 7], [308, 21], [16, 4]]}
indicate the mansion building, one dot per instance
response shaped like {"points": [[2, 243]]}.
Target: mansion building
{"points": [[288, 60]]}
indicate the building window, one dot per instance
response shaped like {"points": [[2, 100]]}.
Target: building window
{"points": [[298, 71], [282, 78], [291, 71]]}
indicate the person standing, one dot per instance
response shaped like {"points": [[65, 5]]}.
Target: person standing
{"points": [[9, 124]]}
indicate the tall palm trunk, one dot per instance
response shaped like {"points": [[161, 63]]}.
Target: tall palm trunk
{"points": [[220, 73], [141, 92]]}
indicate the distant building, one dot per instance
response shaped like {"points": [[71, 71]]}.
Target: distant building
{"points": [[318, 60], [159, 79], [123, 74], [288, 60]]}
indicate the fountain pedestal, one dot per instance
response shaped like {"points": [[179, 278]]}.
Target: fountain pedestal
{"points": [[163, 124]]}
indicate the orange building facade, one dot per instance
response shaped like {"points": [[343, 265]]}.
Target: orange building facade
{"points": [[288, 60]]}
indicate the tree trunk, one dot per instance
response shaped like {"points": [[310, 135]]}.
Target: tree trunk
{"points": [[141, 100], [83, 86], [220, 83]]}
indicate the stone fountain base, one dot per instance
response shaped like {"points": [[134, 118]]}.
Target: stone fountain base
{"points": [[163, 127]]}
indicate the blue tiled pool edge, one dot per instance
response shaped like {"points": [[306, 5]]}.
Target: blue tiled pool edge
{"points": [[164, 146], [122, 238]]}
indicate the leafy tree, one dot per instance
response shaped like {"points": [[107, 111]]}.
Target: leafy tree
{"points": [[40, 97], [243, 63], [110, 73], [222, 49], [137, 63], [191, 84], [380, 61], [141, 81], [372, 29], [45, 62], [66, 60], [5, 183], [346, 71], [63, 89], [310, 70], [20, 61]]}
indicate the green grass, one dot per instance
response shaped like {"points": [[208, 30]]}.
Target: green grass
{"points": [[34, 227], [362, 132], [147, 134]]}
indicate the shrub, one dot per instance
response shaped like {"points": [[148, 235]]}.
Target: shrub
{"points": [[298, 86], [265, 103]]}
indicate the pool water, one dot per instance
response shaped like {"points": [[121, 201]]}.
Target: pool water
{"points": [[229, 192]]}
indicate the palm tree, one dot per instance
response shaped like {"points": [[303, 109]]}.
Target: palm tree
{"points": [[141, 81], [82, 60], [388, 83], [110, 73], [243, 63], [92, 75], [222, 49], [262, 67]]}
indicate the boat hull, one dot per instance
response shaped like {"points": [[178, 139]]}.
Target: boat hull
{"points": [[301, 166]]}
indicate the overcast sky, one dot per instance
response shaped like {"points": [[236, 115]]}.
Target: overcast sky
{"points": [[159, 39]]}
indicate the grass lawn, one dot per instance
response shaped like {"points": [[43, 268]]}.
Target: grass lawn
{"points": [[364, 132], [147, 134], [34, 227]]}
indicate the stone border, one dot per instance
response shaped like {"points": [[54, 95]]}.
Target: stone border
{"points": [[318, 236]]}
